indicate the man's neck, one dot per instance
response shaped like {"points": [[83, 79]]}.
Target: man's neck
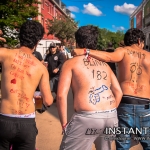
{"points": [[26, 50], [136, 46], [54, 52]]}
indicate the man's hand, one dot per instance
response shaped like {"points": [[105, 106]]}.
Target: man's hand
{"points": [[56, 70], [77, 52], [64, 127], [2, 39]]}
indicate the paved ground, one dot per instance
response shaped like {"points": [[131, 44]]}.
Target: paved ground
{"points": [[49, 136]]}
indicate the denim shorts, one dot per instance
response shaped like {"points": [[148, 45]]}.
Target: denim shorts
{"points": [[136, 117]]}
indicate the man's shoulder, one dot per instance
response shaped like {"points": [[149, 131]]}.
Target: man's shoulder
{"points": [[4, 49], [72, 61]]}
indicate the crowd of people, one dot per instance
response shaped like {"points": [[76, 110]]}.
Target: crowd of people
{"points": [[103, 99]]}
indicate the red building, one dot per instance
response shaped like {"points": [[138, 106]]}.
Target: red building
{"points": [[52, 9]]}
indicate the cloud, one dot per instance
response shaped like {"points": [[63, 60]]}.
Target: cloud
{"points": [[91, 9], [121, 28], [125, 8], [73, 8], [72, 15]]}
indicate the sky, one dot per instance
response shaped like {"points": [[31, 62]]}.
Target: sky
{"points": [[110, 14]]}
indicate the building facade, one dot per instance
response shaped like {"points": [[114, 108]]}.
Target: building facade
{"points": [[51, 9], [140, 19]]}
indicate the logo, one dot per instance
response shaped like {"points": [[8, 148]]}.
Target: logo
{"points": [[55, 58]]}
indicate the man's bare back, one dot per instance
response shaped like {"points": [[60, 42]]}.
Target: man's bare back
{"points": [[20, 77], [91, 84], [134, 72], [133, 68]]}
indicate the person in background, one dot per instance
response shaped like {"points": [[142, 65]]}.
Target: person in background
{"points": [[110, 49], [61, 49], [55, 61], [38, 56], [47, 51], [121, 44]]}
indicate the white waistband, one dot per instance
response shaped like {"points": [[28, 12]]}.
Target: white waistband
{"points": [[100, 111], [31, 115]]}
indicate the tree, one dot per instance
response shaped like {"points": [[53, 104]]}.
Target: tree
{"points": [[109, 36], [13, 13], [63, 29]]}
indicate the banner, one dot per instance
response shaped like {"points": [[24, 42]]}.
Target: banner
{"points": [[132, 23], [139, 20]]}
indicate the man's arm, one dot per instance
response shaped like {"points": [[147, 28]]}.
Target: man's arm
{"points": [[62, 92], [61, 61], [4, 54], [116, 89], [45, 88], [115, 56]]}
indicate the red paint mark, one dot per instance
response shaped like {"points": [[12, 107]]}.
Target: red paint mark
{"points": [[19, 70], [30, 62], [13, 81], [28, 74], [88, 58], [17, 62], [16, 75], [13, 66], [27, 105], [26, 66]]}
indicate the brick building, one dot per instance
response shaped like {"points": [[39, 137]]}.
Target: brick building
{"points": [[52, 9], [140, 19]]}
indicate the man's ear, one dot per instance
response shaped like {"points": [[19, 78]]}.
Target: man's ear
{"points": [[139, 42]]}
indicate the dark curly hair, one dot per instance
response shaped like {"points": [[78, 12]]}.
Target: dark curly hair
{"points": [[30, 33], [132, 36], [87, 37]]}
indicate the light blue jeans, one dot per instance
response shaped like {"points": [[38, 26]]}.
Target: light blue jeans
{"points": [[133, 116]]}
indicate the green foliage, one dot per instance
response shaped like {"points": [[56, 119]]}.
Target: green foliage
{"points": [[109, 36], [13, 13], [63, 29]]}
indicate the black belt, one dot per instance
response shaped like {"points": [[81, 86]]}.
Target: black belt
{"points": [[136, 102]]}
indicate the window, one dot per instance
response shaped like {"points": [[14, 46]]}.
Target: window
{"points": [[42, 22], [43, 3], [52, 12], [50, 9], [56, 14]]}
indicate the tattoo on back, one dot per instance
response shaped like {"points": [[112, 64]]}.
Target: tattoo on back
{"points": [[135, 70], [136, 54], [94, 94], [94, 62]]}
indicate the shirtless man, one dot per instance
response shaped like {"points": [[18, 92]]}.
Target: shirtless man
{"points": [[134, 77], [96, 92], [20, 78]]}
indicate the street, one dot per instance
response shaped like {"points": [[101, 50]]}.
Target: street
{"points": [[49, 128]]}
